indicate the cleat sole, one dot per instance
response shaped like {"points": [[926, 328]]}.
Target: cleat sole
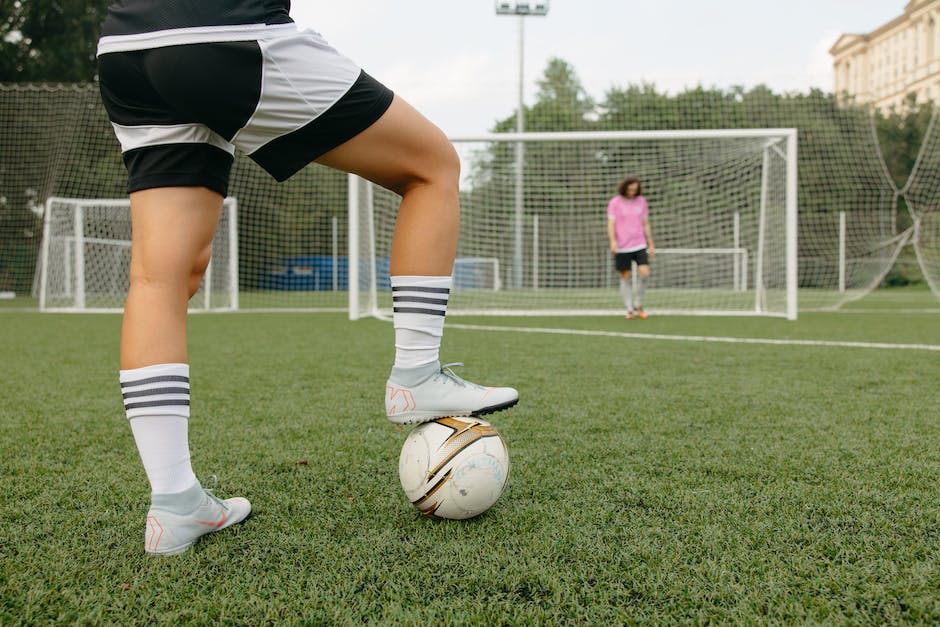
{"points": [[418, 418]]}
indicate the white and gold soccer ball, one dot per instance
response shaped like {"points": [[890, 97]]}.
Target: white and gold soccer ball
{"points": [[454, 468]]}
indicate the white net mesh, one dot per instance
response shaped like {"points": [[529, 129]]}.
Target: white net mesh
{"points": [[842, 178], [55, 141], [923, 199], [86, 252], [718, 214]]}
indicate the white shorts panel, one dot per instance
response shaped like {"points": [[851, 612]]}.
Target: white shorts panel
{"points": [[302, 77]]}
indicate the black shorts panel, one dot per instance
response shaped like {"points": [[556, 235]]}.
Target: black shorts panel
{"points": [[127, 93], [208, 91], [357, 110], [138, 102], [624, 261], [178, 165]]}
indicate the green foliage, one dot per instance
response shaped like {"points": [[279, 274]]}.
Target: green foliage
{"points": [[49, 40], [828, 128], [51, 143], [900, 132], [839, 160]]}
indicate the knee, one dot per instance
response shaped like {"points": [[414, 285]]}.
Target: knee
{"points": [[644, 271], [440, 170], [170, 276]]}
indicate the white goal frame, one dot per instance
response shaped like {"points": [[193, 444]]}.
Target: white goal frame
{"points": [[74, 260], [780, 143], [491, 270]]}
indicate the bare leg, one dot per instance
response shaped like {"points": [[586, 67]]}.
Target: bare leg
{"points": [[407, 154], [172, 235]]}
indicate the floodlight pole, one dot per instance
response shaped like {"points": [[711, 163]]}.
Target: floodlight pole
{"points": [[520, 9], [519, 215]]}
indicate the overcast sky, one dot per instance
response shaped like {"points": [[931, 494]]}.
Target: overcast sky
{"points": [[457, 61]]}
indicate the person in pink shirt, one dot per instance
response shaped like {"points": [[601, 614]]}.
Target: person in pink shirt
{"points": [[631, 240]]}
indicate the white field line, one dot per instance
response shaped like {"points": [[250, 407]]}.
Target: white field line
{"points": [[930, 311], [700, 338]]}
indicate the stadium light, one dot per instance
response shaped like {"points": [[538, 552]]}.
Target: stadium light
{"points": [[522, 9]]}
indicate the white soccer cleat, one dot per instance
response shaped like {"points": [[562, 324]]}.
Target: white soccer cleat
{"points": [[176, 521], [422, 394]]}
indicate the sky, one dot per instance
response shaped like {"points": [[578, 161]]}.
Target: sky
{"points": [[457, 62]]}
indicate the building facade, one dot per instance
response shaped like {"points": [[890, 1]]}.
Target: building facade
{"points": [[894, 61]]}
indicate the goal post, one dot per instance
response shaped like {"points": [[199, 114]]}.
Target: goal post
{"points": [[723, 212], [84, 263]]}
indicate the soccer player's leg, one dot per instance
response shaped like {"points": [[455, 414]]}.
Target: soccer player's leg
{"points": [[172, 234], [623, 263], [409, 155], [643, 275]]}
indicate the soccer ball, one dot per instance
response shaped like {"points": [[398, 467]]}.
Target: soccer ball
{"points": [[454, 468]]}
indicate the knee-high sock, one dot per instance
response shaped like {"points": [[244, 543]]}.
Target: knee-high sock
{"points": [[156, 401], [420, 303], [626, 291], [640, 289]]}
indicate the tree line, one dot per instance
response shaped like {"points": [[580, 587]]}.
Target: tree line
{"points": [[53, 41]]}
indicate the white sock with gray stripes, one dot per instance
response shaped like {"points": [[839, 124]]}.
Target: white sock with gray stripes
{"points": [[626, 291], [420, 303], [156, 401], [640, 289]]}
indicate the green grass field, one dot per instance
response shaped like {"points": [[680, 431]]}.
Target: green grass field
{"points": [[653, 479]]}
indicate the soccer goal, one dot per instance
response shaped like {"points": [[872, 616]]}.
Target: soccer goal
{"points": [[86, 250], [723, 211]]}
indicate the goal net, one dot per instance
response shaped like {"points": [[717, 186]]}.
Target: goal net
{"points": [[533, 237], [533, 240], [86, 253]]}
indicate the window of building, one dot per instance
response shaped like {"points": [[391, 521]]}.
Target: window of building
{"points": [[931, 36]]}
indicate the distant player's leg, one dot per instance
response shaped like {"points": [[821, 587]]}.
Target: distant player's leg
{"points": [[172, 234], [623, 265], [407, 154], [626, 292], [643, 275]]}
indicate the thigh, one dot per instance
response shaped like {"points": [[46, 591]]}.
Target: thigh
{"points": [[173, 229], [622, 261], [402, 147]]}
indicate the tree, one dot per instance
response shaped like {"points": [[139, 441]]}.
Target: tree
{"points": [[839, 161], [49, 40], [900, 132]]}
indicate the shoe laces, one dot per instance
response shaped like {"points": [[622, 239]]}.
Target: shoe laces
{"points": [[214, 480], [450, 375]]}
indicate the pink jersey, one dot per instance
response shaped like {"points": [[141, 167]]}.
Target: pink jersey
{"points": [[628, 215]]}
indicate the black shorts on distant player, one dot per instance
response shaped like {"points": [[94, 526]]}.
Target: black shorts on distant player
{"points": [[623, 261]]}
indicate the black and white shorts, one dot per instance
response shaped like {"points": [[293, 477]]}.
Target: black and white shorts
{"points": [[283, 96], [623, 261]]}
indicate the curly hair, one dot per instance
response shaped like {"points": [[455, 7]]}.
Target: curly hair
{"points": [[627, 182]]}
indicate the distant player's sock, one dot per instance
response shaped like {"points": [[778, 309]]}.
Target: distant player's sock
{"points": [[156, 401], [640, 289], [420, 303], [626, 290]]}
